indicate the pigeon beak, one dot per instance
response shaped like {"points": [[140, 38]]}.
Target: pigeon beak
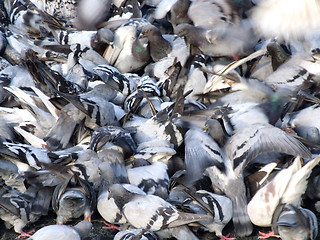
{"points": [[87, 218], [141, 35], [316, 54], [109, 196], [175, 37]]}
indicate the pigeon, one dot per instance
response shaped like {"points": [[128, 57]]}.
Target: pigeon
{"points": [[86, 158], [14, 118], [285, 188], [247, 107], [24, 15], [10, 175], [159, 47], [47, 80], [24, 156], [240, 93], [112, 77], [63, 232], [162, 46], [308, 129], [146, 100], [134, 233], [259, 174], [181, 232], [88, 39], [115, 134], [64, 9], [199, 143], [88, 58], [128, 53], [312, 193], [174, 10], [157, 213], [106, 204], [72, 199], [47, 115], [179, 13], [274, 19], [292, 73], [114, 156], [126, 10], [296, 223], [16, 209], [219, 207], [278, 54], [58, 137], [197, 78], [213, 13], [227, 42], [92, 13]]}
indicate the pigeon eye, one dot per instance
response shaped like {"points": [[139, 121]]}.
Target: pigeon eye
{"points": [[147, 31], [109, 196]]}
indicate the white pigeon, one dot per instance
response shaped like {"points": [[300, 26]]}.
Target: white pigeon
{"points": [[285, 188]]}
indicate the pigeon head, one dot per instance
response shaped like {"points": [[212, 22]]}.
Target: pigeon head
{"points": [[182, 30], [120, 195], [105, 35], [148, 31], [83, 228]]}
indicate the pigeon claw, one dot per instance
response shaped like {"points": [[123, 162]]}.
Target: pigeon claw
{"points": [[25, 234], [263, 235], [226, 237], [110, 226]]}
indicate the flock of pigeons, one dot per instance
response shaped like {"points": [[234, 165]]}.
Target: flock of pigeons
{"points": [[169, 118]]}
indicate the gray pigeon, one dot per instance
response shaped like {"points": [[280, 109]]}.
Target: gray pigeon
{"points": [[223, 41], [213, 13], [159, 47], [304, 123], [176, 11], [128, 53], [219, 207], [296, 223], [106, 204], [153, 212], [133, 233], [115, 134], [72, 199], [16, 209], [162, 46], [63, 232], [92, 13]]}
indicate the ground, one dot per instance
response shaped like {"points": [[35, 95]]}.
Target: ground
{"points": [[98, 233]]}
